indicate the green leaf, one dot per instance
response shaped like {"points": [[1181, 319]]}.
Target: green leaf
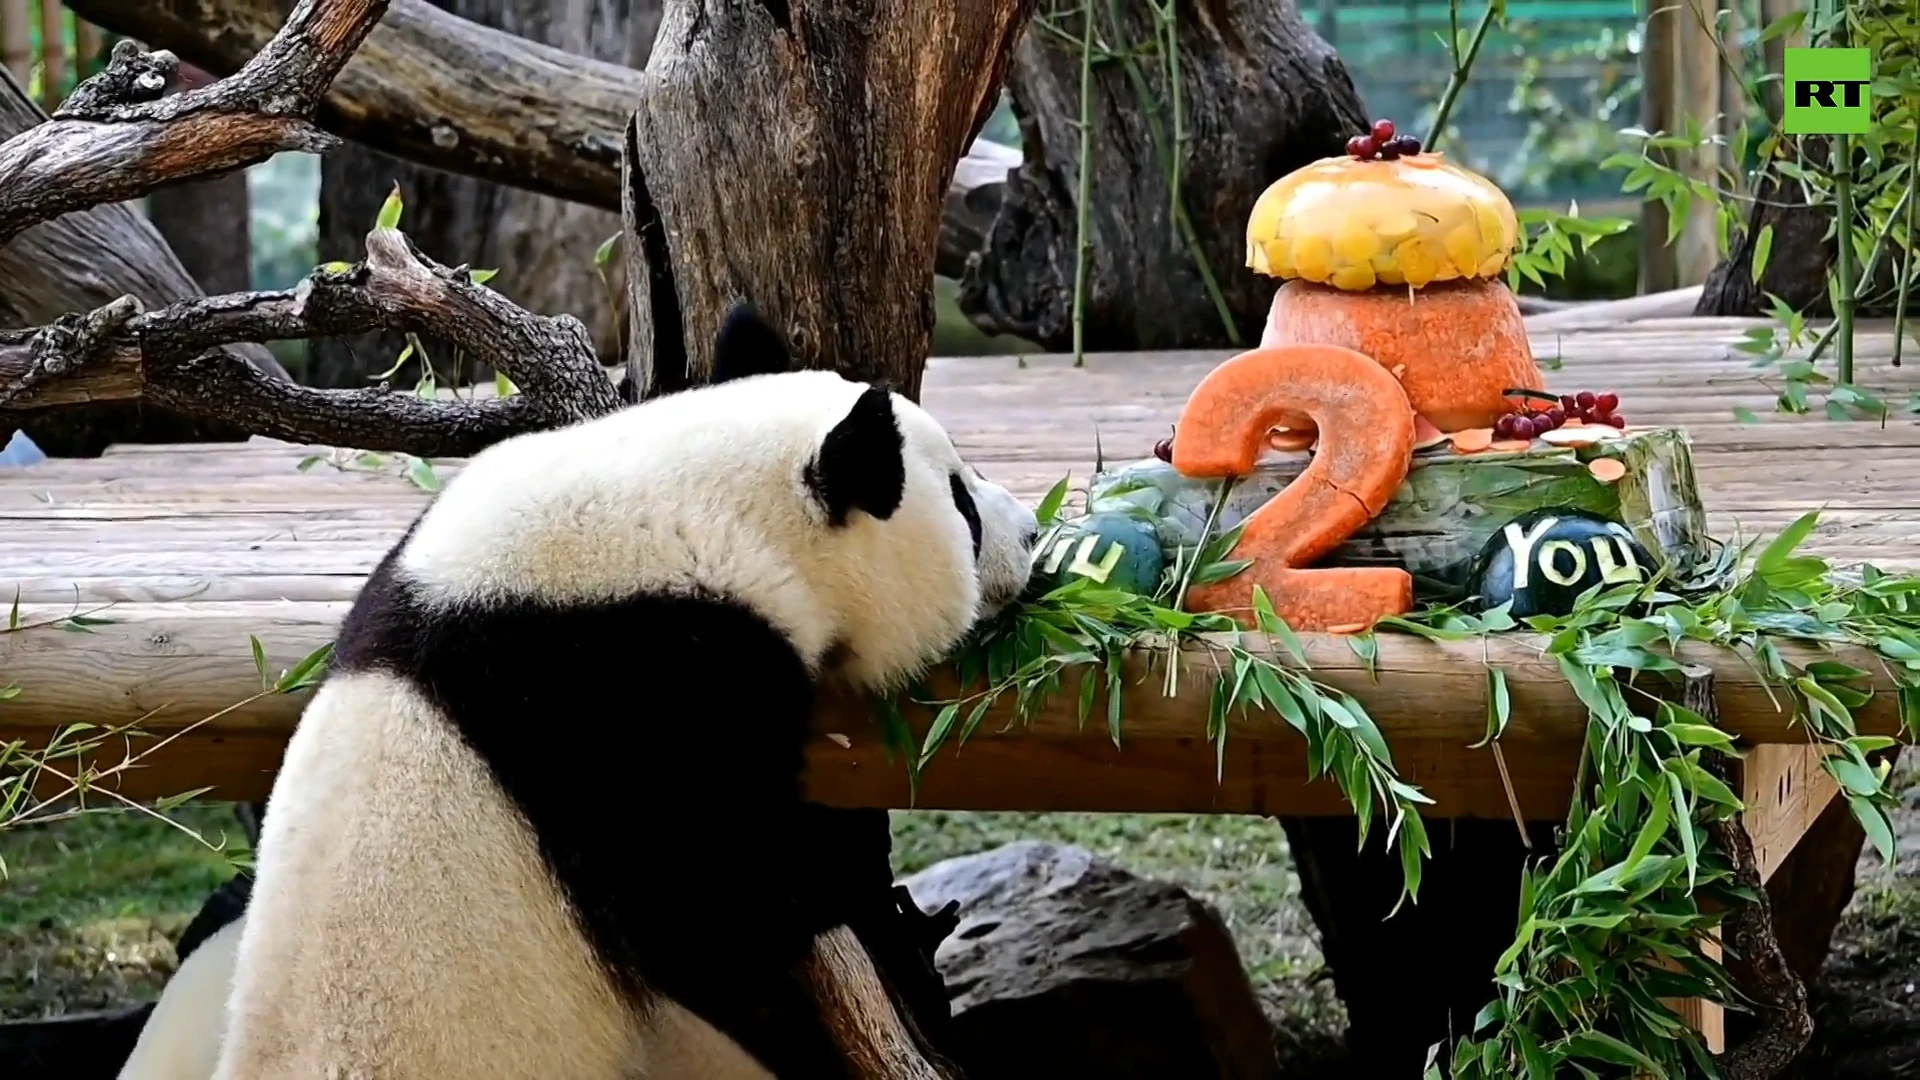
{"points": [[1275, 627], [1050, 506], [1683, 822], [937, 733], [390, 211], [1782, 26], [260, 661], [1603, 1047], [604, 253], [1660, 813], [1853, 776], [336, 267], [1775, 555], [405, 354], [503, 386], [420, 471], [1875, 824], [481, 277], [1763, 248], [1499, 706], [305, 673]]}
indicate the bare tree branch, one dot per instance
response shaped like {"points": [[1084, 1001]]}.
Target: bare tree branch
{"points": [[171, 356], [117, 138], [542, 119]]}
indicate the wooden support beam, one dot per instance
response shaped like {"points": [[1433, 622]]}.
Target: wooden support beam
{"points": [[1785, 791]]}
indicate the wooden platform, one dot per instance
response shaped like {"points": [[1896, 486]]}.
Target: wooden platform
{"points": [[191, 549]]}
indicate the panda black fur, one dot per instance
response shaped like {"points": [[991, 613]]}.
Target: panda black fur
{"points": [[545, 816]]}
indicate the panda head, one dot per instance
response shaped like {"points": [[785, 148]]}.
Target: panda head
{"points": [[839, 512]]}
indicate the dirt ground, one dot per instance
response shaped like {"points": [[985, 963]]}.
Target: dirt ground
{"points": [[88, 910]]}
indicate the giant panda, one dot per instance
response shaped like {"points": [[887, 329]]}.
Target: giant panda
{"points": [[544, 817]]}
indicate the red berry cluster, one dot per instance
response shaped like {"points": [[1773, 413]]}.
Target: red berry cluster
{"points": [[1586, 407], [1382, 144], [1529, 425], [1593, 408]]}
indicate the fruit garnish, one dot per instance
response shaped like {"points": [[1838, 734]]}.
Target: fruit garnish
{"points": [[1379, 143], [1472, 440], [1606, 469]]}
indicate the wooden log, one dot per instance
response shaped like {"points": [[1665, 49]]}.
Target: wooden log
{"points": [[77, 263], [1451, 505], [176, 664], [542, 121]]}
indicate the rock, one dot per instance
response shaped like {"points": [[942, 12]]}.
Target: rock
{"points": [[1066, 965]]}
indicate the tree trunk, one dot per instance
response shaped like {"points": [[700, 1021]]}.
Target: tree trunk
{"points": [[794, 153], [1259, 93], [542, 247], [78, 262], [206, 221], [1799, 259]]}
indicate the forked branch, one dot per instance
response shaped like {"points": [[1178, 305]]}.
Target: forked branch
{"points": [[117, 138], [171, 356]]}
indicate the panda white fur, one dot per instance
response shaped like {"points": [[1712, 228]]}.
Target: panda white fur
{"points": [[545, 817]]}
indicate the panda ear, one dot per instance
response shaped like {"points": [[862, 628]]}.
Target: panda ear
{"points": [[861, 464], [746, 345]]}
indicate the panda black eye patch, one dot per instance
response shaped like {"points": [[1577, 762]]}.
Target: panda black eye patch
{"points": [[963, 501]]}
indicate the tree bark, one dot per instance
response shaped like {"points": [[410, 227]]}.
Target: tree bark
{"points": [[80, 262], [542, 120], [1260, 94], [543, 247], [836, 161], [206, 221], [1798, 262], [171, 356]]}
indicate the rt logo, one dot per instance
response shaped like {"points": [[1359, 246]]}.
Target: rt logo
{"points": [[1827, 91]]}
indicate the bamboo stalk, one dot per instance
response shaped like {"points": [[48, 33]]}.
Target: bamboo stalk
{"points": [[1462, 68], [1905, 278], [53, 53], [16, 40], [1081, 242]]}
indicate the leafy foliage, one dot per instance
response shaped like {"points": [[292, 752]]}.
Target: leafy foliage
{"points": [[1868, 181], [1110, 638], [1611, 925], [78, 768]]}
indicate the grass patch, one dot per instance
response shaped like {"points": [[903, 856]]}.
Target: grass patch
{"points": [[90, 906]]}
